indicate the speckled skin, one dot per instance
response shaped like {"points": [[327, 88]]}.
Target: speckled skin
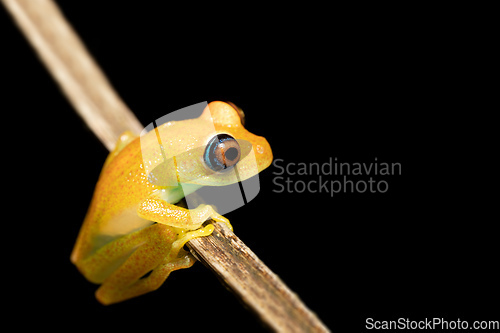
{"points": [[119, 241]]}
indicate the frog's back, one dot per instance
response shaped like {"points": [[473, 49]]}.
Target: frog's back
{"points": [[122, 185]]}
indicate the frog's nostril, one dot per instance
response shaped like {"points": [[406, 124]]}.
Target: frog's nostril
{"points": [[240, 112]]}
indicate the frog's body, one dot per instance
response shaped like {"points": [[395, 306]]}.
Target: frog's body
{"points": [[133, 226]]}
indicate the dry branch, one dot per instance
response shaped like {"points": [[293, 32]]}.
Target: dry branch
{"points": [[76, 72], [90, 93]]}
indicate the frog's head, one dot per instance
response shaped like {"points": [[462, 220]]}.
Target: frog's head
{"points": [[214, 149]]}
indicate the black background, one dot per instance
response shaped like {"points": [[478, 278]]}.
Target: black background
{"points": [[317, 84]]}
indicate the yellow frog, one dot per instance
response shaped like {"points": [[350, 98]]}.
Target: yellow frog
{"points": [[133, 226]]}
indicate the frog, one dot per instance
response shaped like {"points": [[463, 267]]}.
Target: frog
{"points": [[135, 230]]}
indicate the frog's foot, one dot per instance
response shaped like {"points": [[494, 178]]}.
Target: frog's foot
{"points": [[109, 295], [186, 236], [221, 219]]}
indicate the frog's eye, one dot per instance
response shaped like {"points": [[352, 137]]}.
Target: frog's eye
{"points": [[222, 152]]}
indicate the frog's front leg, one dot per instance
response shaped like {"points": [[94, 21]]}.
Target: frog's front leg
{"points": [[156, 209]]}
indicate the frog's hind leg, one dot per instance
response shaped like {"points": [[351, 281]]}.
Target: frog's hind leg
{"points": [[152, 256], [109, 295]]}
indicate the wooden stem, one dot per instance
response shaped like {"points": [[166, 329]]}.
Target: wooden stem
{"points": [[92, 96], [253, 282], [74, 69]]}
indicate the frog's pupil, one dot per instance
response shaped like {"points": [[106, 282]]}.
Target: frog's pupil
{"points": [[231, 154]]}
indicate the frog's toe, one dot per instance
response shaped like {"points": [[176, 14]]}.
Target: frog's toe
{"points": [[185, 237], [222, 219]]}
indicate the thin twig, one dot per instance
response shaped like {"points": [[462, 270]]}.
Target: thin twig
{"points": [[256, 285], [76, 72], [90, 93]]}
